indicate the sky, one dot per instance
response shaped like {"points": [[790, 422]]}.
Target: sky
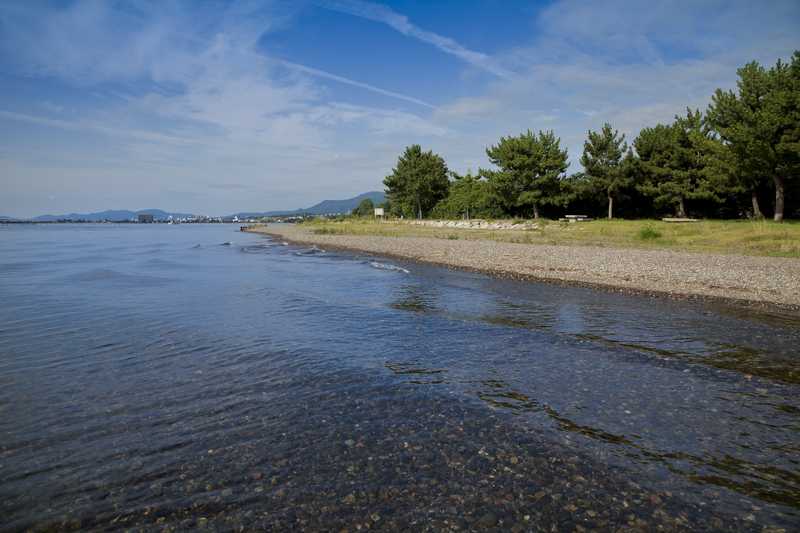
{"points": [[215, 107]]}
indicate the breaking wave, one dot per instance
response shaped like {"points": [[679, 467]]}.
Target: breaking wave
{"points": [[387, 266]]}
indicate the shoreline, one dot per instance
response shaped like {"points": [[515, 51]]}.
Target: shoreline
{"points": [[755, 282]]}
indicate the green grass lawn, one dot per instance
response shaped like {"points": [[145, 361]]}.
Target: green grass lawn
{"points": [[764, 238]]}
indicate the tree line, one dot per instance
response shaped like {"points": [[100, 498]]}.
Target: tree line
{"points": [[739, 158]]}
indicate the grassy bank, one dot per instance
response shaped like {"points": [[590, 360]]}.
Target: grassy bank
{"points": [[758, 238]]}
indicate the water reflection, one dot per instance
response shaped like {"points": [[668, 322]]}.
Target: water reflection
{"points": [[260, 389], [417, 373], [766, 482], [415, 298], [499, 394], [744, 461]]}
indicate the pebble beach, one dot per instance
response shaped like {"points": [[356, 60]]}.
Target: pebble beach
{"points": [[764, 281]]}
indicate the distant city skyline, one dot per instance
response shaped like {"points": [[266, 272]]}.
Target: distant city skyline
{"points": [[224, 107]]}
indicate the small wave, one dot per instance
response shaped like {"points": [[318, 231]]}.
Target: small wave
{"points": [[19, 267], [196, 246], [310, 251], [284, 243], [226, 243], [256, 248], [106, 275], [387, 266]]}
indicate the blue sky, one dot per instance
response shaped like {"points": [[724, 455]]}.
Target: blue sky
{"points": [[220, 106]]}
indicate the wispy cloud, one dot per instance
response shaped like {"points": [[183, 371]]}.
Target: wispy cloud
{"points": [[401, 23], [130, 103], [87, 126], [212, 108], [347, 81]]}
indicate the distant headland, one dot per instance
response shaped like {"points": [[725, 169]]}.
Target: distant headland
{"points": [[325, 207]]}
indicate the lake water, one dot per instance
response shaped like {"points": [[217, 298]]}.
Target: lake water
{"points": [[156, 376]]}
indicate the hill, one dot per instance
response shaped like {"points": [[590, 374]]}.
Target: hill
{"points": [[325, 207], [110, 215]]}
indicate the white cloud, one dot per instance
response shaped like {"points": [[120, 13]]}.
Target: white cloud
{"points": [[625, 62], [203, 107], [95, 127], [470, 107], [341, 79], [168, 110], [377, 121], [385, 15], [52, 107]]}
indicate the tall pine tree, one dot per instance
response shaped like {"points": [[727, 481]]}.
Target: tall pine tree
{"points": [[602, 160], [530, 167], [417, 183], [675, 162], [760, 122]]}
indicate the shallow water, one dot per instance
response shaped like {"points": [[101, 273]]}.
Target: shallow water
{"points": [[180, 376]]}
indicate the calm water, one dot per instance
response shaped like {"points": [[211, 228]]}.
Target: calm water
{"points": [[179, 376]]}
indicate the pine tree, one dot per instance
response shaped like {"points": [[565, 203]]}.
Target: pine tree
{"points": [[530, 167], [417, 183], [760, 122], [468, 196], [602, 160], [675, 162]]}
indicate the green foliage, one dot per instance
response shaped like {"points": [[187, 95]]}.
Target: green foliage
{"points": [[606, 165], [365, 208], [530, 167], [674, 162], [325, 231], [469, 197], [649, 233], [417, 183], [760, 123], [747, 144]]}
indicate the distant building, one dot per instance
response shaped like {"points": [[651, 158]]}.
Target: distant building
{"points": [[145, 219]]}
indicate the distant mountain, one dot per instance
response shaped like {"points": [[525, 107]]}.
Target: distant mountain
{"points": [[325, 207], [8, 219], [345, 206], [112, 215]]}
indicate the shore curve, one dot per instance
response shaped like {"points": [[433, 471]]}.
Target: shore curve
{"points": [[770, 282]]}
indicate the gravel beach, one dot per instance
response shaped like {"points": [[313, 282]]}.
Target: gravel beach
{"points": [[754, 280]]}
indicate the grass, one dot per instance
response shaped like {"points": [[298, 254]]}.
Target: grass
{"points": [[759, 238], [649, 233]]}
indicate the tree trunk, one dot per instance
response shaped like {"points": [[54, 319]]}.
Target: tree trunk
{"points": [[610, 207], [756, 208], [681, 208], [778, 198], [535, 211], [419, 209]]}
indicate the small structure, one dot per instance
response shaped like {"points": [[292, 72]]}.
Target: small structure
{"points": [[145, 219], [379, 212], [679, 219], [574, 218]]}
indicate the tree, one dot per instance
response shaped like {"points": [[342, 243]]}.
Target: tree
{"points": [[674, 162], [761, 125], [530, 168], [469, 196], [365, 208], [728, 177], [417, 183], [602, 161]]}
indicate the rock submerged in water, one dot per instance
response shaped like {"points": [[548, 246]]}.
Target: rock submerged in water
{"points": [[487, 520]]}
